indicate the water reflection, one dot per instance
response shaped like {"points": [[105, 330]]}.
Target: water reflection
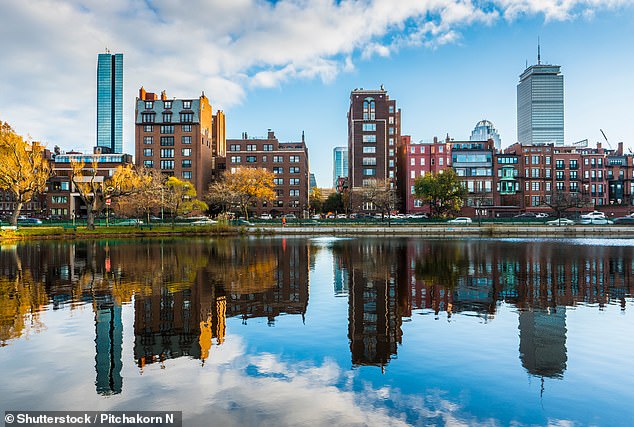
{"points": [[183, 291]]}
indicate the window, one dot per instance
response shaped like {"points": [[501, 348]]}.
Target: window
{"points": [[64, 185], [147, 118], [167, 164], [278, 159], [412, 174], [148, 163], [294, 193], [293, 170], [187, 174], [535, 173], [234, 147], [547, 160], [186, 152], [412, 150], [267, 147], [148, 152], [187, 104], [391, 163], [186, 163], [148, 139], [391, 109], [535, 201], [167, 117], [293, 159], [167, 153], [186, 128], [535, 160], [391, 142], [294, 181], [369, 127], [548, 186], [574, 186], [236, 159], [369, 161], [600, 174], [167, 141], [586, 174], [252, 147], [167, 128], [369, 108], [59, 199], [600, 162], [186, 140], [390, 120], [422, 161], [573, 174], [573, 164], [369, 138], [278, 170], [390, 152], [585, 161], [369, 150], [535, 185], [167, 104], [391, 130], [412, 161], [148, 128], [149, 105], [559, 164], [252, 159], [278, 181], [369, 172], [547, 173], [187, 117], [440, 148]]}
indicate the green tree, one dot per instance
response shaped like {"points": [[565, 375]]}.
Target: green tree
{"points": [[315, 196], [443, 191], [334, 203], [24, 169], [180, 198]]}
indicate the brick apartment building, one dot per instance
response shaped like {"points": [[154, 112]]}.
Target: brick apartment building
{"points": [[179, 137], [62, 199], [287, 160], [374, 130]]}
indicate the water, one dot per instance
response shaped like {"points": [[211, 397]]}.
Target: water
{"points": [[323, 331]]}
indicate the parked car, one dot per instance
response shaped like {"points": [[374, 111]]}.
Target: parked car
{"points": [[460, 220], [130, 222], [593, 214], [561, 221], [541, 215], [203, 221], [342, 216], [266, 216], [417, 216], [29, 221], [595, 221], [316, 216], [290, 216], [526, 215], [626, 220]]}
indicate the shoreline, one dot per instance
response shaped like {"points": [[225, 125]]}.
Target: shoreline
{"points": [[490, 230]]}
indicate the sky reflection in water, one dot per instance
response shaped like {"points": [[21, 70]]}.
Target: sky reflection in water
{"points": [[322, 331]]}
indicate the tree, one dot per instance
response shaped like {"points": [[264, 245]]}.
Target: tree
{"points": [[315, 201], [180, 198], [381, 194], [244, 187], [24, 169], [334, 203], [443, 191], [561, 201], [94, 189], [149, 197]]}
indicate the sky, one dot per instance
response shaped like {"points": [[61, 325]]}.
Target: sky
{"points": [[289, 65]]}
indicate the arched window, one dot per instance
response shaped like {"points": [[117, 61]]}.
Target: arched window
{"points": [[369, 108]]}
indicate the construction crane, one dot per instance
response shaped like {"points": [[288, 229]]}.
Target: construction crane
{"points": [[606, 139]]}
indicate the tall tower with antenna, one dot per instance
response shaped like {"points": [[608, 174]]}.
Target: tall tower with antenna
{"points": [[540, 104]]}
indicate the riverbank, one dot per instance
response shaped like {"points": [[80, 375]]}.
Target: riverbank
{"points": [[431, 230]]}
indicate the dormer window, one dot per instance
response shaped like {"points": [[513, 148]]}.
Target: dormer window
{"points": [[187, 105], [167, 104], [149, 105]]}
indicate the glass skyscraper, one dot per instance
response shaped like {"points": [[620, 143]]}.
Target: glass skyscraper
{"points": [[483, 131], [340, 164], [540, 105], [110, 102]]}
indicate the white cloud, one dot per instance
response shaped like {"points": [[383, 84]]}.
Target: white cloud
{"points": [[47, 66]]}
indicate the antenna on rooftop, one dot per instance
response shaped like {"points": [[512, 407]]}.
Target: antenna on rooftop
{"points": [[539, 55]]}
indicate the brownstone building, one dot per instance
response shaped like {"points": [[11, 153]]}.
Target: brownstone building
{"points": [[179, 137], [287, 160], [374, 130]]}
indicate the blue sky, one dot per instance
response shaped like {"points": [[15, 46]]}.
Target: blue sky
{"points": [[290, 65]]}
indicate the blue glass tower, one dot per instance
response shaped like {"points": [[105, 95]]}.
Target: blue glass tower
{"points": [[110, 102], [340, 164]]}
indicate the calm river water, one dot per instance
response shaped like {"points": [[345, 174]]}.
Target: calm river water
{"points": [[322, 331]]}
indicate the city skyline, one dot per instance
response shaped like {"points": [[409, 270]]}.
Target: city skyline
{"points": [[449, 66]]}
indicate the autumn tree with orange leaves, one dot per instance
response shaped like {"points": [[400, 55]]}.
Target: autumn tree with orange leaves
{"points": [[243, 188], [24, 169]]}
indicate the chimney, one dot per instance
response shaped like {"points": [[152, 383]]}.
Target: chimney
{"points": [[619, 150], [142, 94], [435, 140], [271, 134], [599, 145], [163, 96]]}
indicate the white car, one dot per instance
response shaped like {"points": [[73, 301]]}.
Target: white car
{"points": [[593, 215], [342, 216], [595, 221], [203, 221], [266, 216], [460, 220], [561, 221], [316, 216], [541, 215]]}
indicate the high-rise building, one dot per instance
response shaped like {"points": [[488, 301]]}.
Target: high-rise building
{"points": [[540, 105], [483, 131], [374, 129], [178, 136], [110, 102], [339, 164]]}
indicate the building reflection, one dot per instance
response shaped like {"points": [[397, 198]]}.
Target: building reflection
{"points": [[543, 341], [108, 345]]}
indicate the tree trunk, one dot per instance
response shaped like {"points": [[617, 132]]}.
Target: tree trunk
{"points": [[90, 219], [14, 216]]}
